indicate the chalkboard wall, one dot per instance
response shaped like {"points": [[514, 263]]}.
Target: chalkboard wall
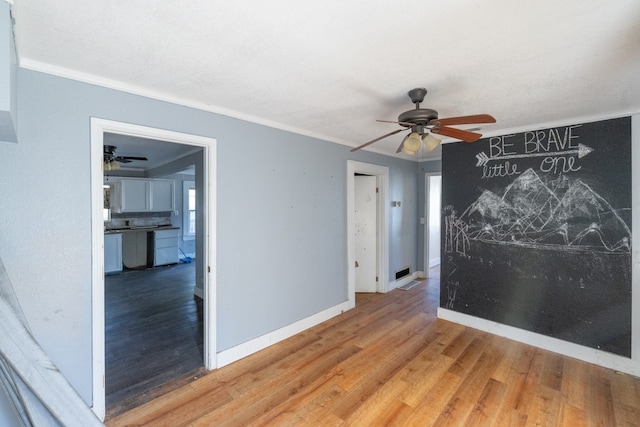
{"points": [[536, 232]]}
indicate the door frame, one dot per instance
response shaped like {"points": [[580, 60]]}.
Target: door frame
{"points": [[427, 210], [98, 129], [382, 175]]}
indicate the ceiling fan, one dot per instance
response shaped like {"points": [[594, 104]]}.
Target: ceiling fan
{"points": [[110, 158], [424, 122]]}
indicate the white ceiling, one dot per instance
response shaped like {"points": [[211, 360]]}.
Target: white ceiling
{"points": [[331, 68]]}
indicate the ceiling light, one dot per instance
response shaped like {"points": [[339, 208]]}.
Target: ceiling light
{"points": [[412, 144], [110, 165], [430, 141]]}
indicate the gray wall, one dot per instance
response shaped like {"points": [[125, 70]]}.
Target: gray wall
{"points": [[281, 213]]}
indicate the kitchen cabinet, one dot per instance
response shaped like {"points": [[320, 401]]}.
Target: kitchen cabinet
{"points": [[112, 253], [161, 195], [143, 195], [165, 247], [134, 195], [134, 249]]}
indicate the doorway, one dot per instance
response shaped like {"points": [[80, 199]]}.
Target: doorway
{"points": [[153, 322], [366, 232], [205, 261], [433, 193], [381, 175]]}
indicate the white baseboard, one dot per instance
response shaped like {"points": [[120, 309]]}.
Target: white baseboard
{"points": [[240, 351], [434, 262], [587, 354]]}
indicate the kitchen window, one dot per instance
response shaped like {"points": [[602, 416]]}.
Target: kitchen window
{"points": [[189, 204]]}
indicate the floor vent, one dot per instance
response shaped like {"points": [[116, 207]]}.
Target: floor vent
{"points": [[409, 285], [402, 273]]}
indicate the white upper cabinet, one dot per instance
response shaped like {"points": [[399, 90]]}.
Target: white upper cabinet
{"points": [[135, 195], [143, 195], [161, 195]]}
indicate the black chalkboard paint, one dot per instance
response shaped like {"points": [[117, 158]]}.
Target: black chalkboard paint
{"points": [[536, 232]]}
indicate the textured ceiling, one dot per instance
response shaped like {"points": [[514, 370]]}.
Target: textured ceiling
{"points": [[331, 68]]}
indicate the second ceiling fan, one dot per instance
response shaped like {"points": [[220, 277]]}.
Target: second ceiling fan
{"points": [[424, 122], [110, 159]]}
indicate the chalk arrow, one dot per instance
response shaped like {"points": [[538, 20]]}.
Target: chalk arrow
{"points": [[482, 159], [581, 151]]}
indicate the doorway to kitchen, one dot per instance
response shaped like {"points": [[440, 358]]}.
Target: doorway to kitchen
{"points": [[198, 271]]}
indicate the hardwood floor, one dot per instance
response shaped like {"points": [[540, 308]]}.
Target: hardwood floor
{"points": [[391, 362], [153, 334]]}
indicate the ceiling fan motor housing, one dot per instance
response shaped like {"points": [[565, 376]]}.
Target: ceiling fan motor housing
{"points": [[419, 116]]}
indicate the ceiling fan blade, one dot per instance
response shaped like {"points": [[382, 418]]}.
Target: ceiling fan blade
{"points": [[401, 146], [375, 140], [464, 120], [400, 123], [121, 160], [464, 135], [127, 159]]}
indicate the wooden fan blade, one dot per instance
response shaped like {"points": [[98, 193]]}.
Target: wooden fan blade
{"points": [[376, 140], [464, 120], [464, 135], [401, 146], [400, 123]]}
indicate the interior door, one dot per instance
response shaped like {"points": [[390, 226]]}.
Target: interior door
{"points": [[366, 225]]}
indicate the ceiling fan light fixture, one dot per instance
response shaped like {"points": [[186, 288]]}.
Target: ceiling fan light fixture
{"points": [[412, 144], [430, 142], [110, 165]]}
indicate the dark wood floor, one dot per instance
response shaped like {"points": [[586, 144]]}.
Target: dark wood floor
{"points": [[153, 336], [391, 362]]}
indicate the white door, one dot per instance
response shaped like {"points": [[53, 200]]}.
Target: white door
{"points": [[366, 225]]}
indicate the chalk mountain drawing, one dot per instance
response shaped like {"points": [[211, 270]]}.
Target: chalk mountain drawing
{"points": [[562, 213]]}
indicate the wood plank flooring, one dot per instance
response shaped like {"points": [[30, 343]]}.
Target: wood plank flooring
{"points": [[391, 362], [153, 334]]}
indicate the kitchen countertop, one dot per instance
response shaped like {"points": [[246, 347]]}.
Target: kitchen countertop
{"points": [[139, 229]]}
